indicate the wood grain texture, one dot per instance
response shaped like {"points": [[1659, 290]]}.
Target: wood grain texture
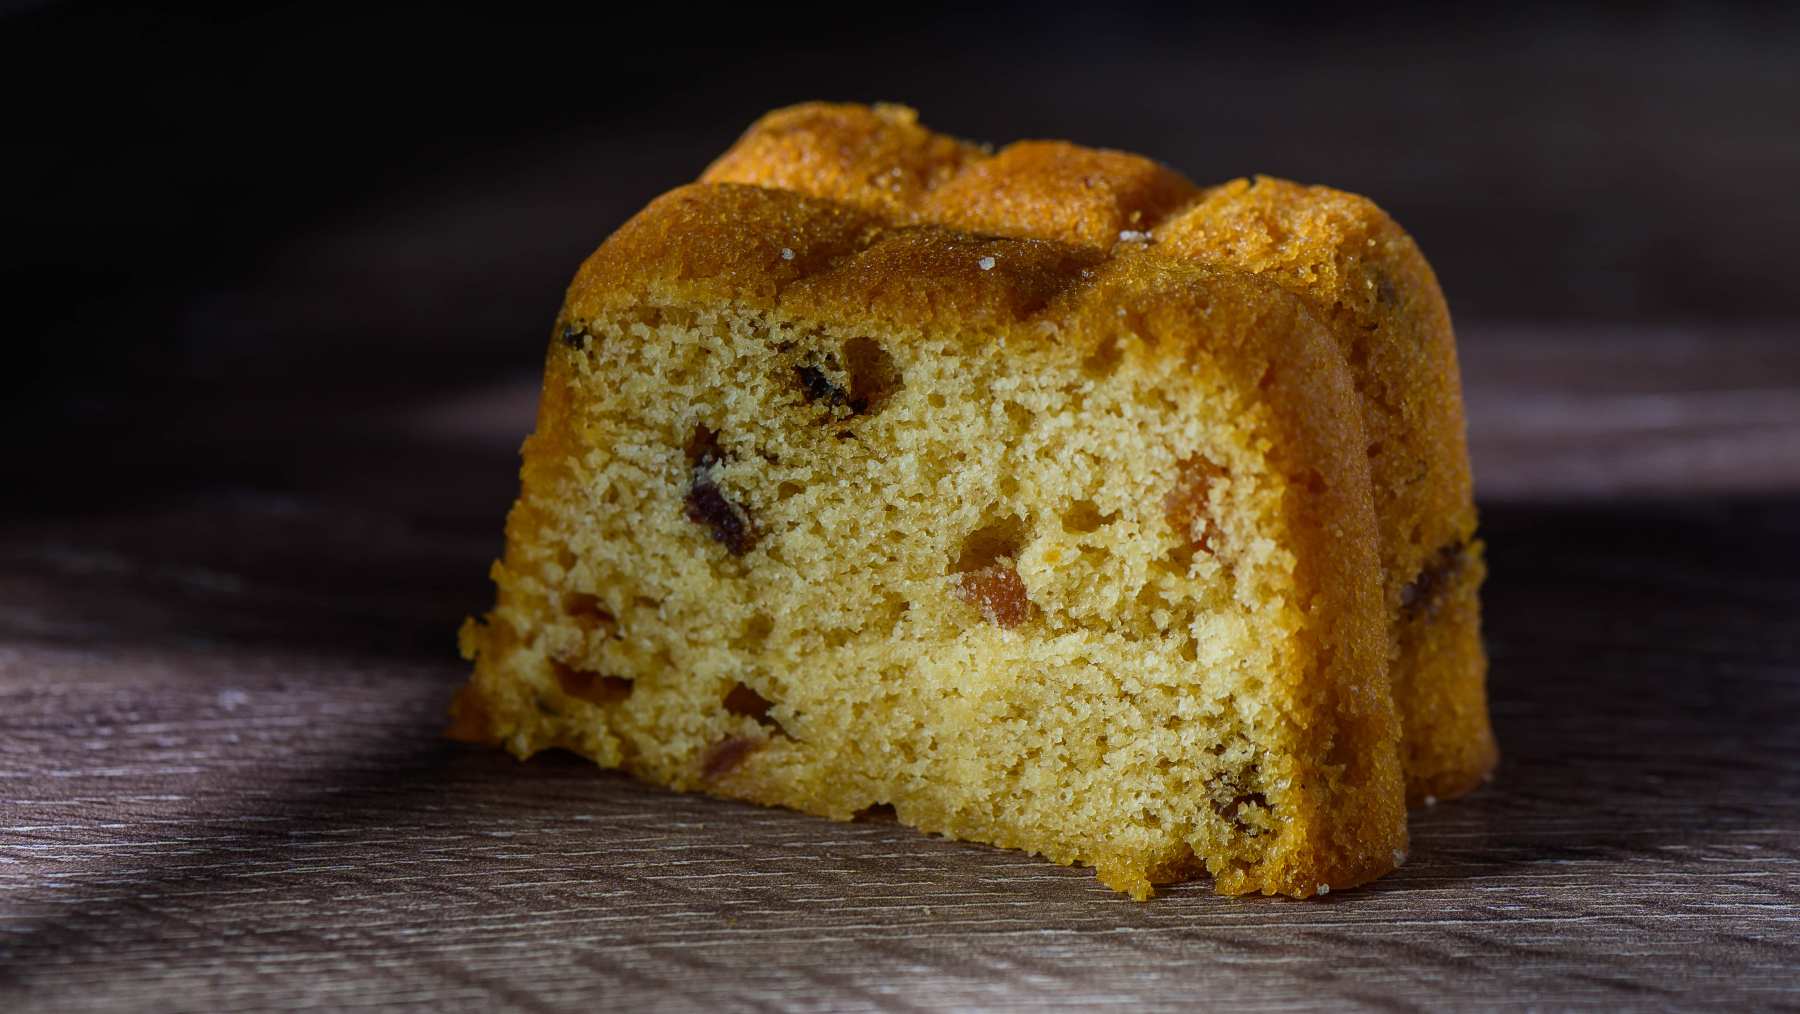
{"points": [[222, 785]]}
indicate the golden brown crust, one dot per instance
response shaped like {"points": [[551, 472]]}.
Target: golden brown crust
{"points": [[1365, 277], [821, 262], [875, 157], [1340, 704], [1068, 193], [1352, 265]]}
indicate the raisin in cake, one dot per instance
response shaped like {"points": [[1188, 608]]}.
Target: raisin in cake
{"points": [[1061, 547], [1359, 273]]}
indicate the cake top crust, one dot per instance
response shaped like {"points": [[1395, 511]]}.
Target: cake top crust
{"points": [[880, 159]]}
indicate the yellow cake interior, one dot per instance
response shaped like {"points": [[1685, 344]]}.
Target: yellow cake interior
{"points": [[840, 568]]}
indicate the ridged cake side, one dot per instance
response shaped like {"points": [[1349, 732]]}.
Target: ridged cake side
{"points": [[1062, 552], [1354, 267]]}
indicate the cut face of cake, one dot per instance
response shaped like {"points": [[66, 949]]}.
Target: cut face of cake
{"points": [[1354, 268], [1057, 548]]}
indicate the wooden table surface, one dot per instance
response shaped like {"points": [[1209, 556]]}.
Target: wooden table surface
{"points": [[225, 654]]}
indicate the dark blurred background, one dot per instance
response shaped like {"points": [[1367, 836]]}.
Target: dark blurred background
{"points": [[318, 207]]}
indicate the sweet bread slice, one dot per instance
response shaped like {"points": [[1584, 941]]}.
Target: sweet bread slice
{"points": [[1358, 272], [1056, 548]]}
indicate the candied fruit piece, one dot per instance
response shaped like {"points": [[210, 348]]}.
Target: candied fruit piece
{"points": [[997, 591], [725, 755], [1186, 508]]}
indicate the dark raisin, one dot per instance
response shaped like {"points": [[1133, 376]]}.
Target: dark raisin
{"points": [[727, 754], [574, 336], [1427, 590], [819, 388], [729, 524]]}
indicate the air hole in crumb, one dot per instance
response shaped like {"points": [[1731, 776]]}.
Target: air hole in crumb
{"points": [[587, 612], [989, 543], [1181, 558], [727, 754], [756, 630], [647, 604], [1104, 360], [565, 558], [1083, 516], [741, 700], [1022, 418], [593, 687], [1241, 807], [876, 812], [679, 316], [936, 400], [660, 316], [789, 490], [888, 614], [1190, 650], [1149, 599], [1343, 750], [873, 376], [1186, 508], [702, 447]]}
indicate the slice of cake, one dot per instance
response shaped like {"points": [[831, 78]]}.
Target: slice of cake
{"points": [[1358, 272], [1057, 548]]}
